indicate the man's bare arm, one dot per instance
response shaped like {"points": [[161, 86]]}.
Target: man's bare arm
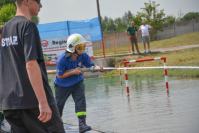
{"points": [[34, 74]]}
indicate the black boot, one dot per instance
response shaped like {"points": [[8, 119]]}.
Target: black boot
{"points": [[82, 125]]}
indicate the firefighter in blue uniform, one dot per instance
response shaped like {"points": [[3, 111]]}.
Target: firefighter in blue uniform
{"points": [[69, 78]]}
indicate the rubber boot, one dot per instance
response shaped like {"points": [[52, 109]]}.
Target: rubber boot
{"points": [[83, 127]]}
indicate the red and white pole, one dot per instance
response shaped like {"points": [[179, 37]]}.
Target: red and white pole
{"points": [[126, 78], [120, 77], [165, 74], [154, 59]]}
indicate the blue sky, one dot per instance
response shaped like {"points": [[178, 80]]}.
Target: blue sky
{"points": [[61, 10]]}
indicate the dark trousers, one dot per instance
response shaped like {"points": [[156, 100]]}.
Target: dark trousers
{"points": [[78, 94], [1, 117], [133, 40], [26, 121]]}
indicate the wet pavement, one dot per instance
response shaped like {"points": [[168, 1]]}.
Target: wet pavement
{"points": [[148, 109]]}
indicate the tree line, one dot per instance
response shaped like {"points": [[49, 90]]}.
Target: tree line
{"points": [[8, 10], [150, 13]]}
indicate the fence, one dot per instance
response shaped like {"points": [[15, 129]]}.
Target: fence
{"points": [[112, 41], [178, 29], [120, 40], [56, 30]]}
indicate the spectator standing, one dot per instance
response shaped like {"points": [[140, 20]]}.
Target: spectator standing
{"points": [[144, 29], [132, 33], [25, 96]]}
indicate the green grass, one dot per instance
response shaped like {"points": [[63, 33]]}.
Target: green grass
{"points": [[187, 57], [181, 40]]}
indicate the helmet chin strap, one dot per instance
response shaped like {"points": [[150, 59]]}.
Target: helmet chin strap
{"points": [[76, 53]]}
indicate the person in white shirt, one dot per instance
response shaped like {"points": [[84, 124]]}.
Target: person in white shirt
{"points": [[144, 29]]}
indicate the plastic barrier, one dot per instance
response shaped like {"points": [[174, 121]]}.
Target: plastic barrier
{"points": [[126, 63]]}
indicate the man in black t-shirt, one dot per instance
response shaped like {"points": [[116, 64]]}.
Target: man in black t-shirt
{"points": [[25, 95], [1, 114]]}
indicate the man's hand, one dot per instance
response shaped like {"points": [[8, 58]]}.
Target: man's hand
{"points": [[45, 112]]}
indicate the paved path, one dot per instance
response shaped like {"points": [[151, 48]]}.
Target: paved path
{"points": [[176, 48], [100, 60], [74, 129], [162, 50], [68, 129]]}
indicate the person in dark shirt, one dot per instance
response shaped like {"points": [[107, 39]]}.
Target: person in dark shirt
{"points": [[1, 113], [25, 95], [132, 33]]}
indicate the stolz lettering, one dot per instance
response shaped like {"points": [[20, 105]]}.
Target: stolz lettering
{"points": [[9, 41]]}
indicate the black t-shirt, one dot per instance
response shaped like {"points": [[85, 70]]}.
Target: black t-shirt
{"points": [[20, 43]]}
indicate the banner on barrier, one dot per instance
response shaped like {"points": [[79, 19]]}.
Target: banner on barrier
{"points": [[54, 35], [53, 47]]}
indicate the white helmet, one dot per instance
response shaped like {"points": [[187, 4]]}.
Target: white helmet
{"points": [[73, 40]]}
